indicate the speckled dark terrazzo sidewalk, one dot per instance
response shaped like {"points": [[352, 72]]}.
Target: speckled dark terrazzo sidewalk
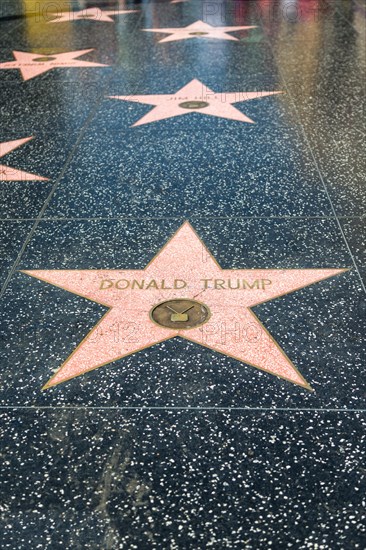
{"points": [[180, 445]]}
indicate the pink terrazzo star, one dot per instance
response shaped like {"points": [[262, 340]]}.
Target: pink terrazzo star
{"points": [[195, 97], [89, 14], [199, 29], [183, 269], [34, 64], [12, 174]]}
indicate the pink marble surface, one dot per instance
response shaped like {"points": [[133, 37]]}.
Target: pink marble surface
{"points": [[29, 67], [90, 14], [186, 33], [219, 104], [183, 268]]}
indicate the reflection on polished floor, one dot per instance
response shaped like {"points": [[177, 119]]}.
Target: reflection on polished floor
{"points": [[183, 270]]}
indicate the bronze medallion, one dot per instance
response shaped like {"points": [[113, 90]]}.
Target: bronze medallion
{"points": [[180, 314], [193, 104], [44, 59], [198, 33]]}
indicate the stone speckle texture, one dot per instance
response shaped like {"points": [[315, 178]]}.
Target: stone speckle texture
{"points": [[179, 447]]}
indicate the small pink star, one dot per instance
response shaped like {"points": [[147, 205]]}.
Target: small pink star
{"points": [[12, 174], [199, 29], [89, 14], [34, 64], [195, 97]]}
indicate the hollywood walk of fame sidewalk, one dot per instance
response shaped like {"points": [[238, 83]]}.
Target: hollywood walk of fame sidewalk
{"points": [[230, 409]]}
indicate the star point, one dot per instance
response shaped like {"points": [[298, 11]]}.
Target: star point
{"points": [[183, 271], [13, 174], [195, 97]]}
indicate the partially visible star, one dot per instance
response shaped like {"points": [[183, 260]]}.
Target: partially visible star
{"points": [[183, 270], [89, 14], [34, 64], [195, 97], [13, 174], [199, 29]]}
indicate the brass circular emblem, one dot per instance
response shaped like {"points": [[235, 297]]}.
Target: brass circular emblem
{"points": [[193, 104], [180, 313], [44, 59], [198, 33]]}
